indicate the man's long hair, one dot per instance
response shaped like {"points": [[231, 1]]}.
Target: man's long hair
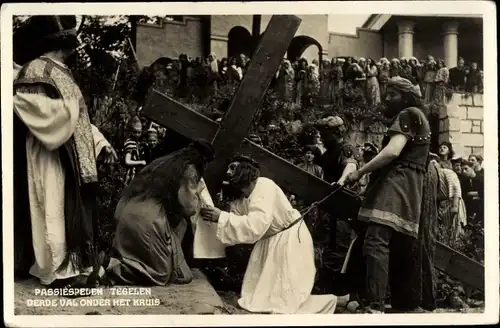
{"points": [[245, 173], [161, 179]]}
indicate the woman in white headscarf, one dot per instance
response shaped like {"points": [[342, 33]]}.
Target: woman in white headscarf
{"points": [[337, 79], [429, 78], [301, 82], [416, 70], [405, 69], [213, 75], [441, 80], [286, 80], [362, 64], [324, 78], [313, 83], [395, 68], [372, 86], [384, 75], [235, 73]]}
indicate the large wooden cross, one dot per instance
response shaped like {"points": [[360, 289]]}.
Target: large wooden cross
{"points": [[229, 138]]}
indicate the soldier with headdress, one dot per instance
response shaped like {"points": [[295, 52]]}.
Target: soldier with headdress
{"points": [[392, 204], [55, 162]]}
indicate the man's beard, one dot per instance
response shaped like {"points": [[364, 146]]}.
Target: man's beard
{"points": [[391, 109], [231, 192]]}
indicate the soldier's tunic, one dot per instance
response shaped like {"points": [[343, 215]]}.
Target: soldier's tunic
{"points": [[392, 210], [392, 191], [55, 170]]}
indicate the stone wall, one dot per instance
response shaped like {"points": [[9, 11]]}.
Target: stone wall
{"points": [[169, 39], [365, 43], [461, 123]]}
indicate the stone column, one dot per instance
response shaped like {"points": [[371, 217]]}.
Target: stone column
{"points": [[405, 37], [450, 43]]}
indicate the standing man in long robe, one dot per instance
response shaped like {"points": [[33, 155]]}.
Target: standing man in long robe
{"points": [[281, 270], [55, 163]]}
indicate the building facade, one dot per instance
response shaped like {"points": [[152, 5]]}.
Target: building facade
{"points": [[442, 36], [392, 36], [225, 36]]}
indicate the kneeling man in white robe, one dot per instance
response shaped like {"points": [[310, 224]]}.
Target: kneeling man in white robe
{"points": [[281, 270]]}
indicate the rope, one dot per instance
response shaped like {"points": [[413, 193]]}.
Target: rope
{"points": [[307, 210]]}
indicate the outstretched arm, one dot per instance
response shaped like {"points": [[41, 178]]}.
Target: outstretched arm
{"points": [[246, 229], [386, 155], [349, 161], [349, 168]]}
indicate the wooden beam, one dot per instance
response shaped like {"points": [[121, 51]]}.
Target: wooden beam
{"points": [[193, 125], [263, 66], [459, 266], [173, 115]]}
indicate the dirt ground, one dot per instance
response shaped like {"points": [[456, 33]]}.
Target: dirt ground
{"points": [[230, 300], [198, 297]]}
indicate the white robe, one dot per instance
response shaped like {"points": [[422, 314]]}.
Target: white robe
{"points": [[281, 270], [51, 122]]}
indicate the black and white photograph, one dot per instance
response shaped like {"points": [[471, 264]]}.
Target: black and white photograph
{"points": [[164, 161]]}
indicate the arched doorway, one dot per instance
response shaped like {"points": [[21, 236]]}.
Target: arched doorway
{"points": [[300, 44], [239, 42]]}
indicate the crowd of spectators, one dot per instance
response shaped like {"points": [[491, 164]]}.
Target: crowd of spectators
{"points": [[358, 80]]}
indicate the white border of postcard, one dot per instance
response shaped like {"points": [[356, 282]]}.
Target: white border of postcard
{"points": [[487, 9]]}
